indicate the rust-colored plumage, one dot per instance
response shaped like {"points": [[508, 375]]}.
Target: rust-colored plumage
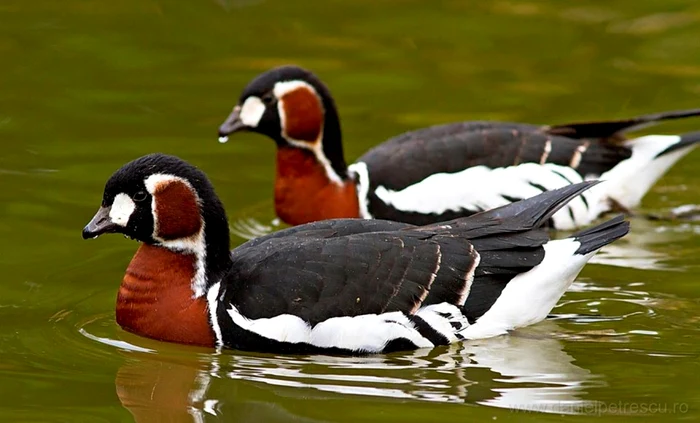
{"points": [[303, 114], [301, 180], [155, 298], [177, 211]]}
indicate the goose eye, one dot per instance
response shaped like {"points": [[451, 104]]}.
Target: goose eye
{"points": [[268, 98], [140, 196]]}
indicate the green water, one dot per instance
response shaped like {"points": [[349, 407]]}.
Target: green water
{"points": [[87, 85]]}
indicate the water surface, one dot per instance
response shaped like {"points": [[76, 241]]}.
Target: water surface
{"points": [[88, 85]]}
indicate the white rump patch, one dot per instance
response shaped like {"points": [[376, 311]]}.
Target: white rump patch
{"points": [[529, 297], [360, 169], [121, 210], [251, 111], [482, 188], [368, 332]]}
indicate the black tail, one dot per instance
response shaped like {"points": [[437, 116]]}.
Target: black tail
{"points": [[614, 127], [599, 236], [687, 140]]}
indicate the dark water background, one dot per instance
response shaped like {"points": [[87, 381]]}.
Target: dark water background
{"points": [[87, 85]]}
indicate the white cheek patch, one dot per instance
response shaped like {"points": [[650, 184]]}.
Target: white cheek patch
{"points": [[252, 111], [121, 210]]}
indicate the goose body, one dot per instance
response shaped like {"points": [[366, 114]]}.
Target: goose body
{"points": [[446, 171], [343, 286]]}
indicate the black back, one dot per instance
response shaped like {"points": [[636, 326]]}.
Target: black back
{"points": [[350, 267]]}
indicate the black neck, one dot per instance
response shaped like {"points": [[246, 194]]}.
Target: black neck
{"points": [[332, 136], [217, 239]]}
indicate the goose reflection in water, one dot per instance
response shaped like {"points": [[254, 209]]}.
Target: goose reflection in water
{"points": [[525, 368]]}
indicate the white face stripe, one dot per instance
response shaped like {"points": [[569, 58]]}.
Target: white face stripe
{"points": [[280, 90], [121, 210], [155, 180], [285, 87], [251, 111], [152, 183], [194, 244]]}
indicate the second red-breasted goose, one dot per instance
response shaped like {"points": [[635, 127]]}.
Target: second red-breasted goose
{"points": [[445, 171], [347, 286]]}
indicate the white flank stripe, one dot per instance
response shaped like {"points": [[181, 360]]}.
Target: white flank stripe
{"points": [[360, 169], [482, 188], [433, 315], [530, 296], [195, 244], [476, 188], [121, 209], [280, 90], [368, 332]]}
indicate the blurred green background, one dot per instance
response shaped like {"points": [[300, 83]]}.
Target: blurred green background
{"points": [[87, 85]]}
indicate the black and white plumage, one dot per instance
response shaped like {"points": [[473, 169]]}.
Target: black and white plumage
{"points": [[346, 286], [360, 286], [481, 165], [453, 170]]}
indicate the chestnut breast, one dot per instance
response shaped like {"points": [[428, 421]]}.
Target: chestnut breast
{"points": [[304, 193], [156, 300]]}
